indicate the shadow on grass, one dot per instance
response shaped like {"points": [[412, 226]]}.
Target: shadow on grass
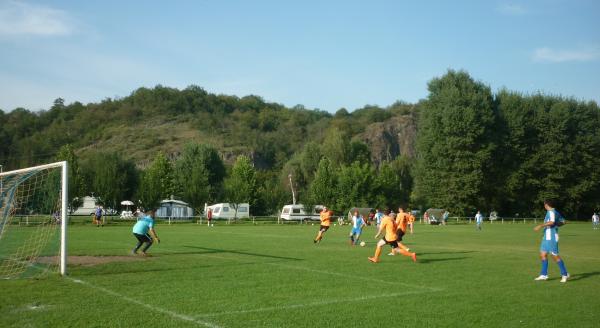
{"points": [[584, 275], [425, 261], [217, 250], [202, 252]]}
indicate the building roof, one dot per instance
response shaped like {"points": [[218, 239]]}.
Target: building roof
{"points": [[173, 201]]}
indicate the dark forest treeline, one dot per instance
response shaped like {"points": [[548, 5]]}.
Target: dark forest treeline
{"points": [[475, 150]]}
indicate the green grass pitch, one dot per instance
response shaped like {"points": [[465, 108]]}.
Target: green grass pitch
{"points": [[274, 276]]}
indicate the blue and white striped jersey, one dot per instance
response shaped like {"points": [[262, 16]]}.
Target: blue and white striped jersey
{"points": [[378, 217], [551, 232], [357, 222]]}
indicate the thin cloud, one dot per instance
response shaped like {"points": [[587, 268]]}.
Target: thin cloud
{"points": [[549, 55], [21, 18], [511, 9]]}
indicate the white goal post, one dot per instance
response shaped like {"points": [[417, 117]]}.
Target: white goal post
{"points": [[9, 204]]}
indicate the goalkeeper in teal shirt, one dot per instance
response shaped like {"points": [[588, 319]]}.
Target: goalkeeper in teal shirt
{"points": [[144, 231]]}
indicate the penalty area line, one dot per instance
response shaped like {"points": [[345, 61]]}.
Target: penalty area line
{"points": [[148, 306], [320, 303]]}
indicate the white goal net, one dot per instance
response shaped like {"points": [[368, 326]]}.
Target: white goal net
{"points": [[33, 218]]}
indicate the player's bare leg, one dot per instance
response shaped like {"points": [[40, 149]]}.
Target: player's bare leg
{"points": [[404, 252], [402, 246], [375, 257], [319, 237]]}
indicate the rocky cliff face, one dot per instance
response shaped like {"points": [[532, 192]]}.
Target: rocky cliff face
{"points": [[390, 139]]}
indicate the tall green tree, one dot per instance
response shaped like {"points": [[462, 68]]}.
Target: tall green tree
{"points": [[157, 182], [241, 186], [193, 175], [110, 177], [271, 193], [455, 143], [336, 147], [355, 186], [323, 189], [394, 183], [76, 190], [549, 146]]}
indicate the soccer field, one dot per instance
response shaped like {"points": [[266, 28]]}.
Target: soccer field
{"points": [[274, 276]]}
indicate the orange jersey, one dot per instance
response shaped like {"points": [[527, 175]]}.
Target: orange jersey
{"points": [[389, 225], [411, 218], [325, 218], [402, 221]]}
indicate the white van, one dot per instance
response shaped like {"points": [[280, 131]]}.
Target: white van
{"points": [[226, 211], [297, 212]]}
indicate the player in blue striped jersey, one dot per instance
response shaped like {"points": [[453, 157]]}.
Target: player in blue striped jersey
{"points": [[378, 217], [358, 222], [550, 242]]}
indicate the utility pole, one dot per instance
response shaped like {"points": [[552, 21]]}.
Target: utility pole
{"points": [[293, 192]]}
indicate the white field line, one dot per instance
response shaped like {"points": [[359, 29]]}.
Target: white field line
{"points": [[320, 303], [392, 282], [148, 306]]}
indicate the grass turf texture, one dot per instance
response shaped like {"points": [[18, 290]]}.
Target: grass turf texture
{"points": [[274, 276]]}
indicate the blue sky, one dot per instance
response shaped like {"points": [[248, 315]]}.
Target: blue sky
{"points": [[321, 54]]}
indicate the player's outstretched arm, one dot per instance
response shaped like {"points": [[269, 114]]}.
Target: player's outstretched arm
{"points": [[379, 232]]}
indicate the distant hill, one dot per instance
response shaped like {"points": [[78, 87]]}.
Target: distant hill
{"points": [[164, 119]]}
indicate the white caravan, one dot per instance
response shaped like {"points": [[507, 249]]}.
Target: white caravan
{"points": [[88, 206], [297, 212], [227, 212]]}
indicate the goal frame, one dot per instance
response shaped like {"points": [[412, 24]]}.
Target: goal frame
{"points": [[63, 210]]}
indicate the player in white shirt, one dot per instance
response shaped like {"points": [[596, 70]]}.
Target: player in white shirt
{"points": [[595, 221], [478, 220]]}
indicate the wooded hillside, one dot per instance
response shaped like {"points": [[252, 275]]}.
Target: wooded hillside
{"points": [[463, 148]]}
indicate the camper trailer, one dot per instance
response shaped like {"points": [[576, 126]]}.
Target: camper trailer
{"points": [[297, 212], [226, 211], [88, 206]]}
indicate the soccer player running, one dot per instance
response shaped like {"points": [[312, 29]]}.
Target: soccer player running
{"points": [[402, 219], [388, 225], [550, 242], [325, 218], [141, 229], [358, 222]]}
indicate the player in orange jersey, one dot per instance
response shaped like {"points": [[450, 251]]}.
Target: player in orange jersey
{"points": [[402, 220], [388, 225], [325, 218]]}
